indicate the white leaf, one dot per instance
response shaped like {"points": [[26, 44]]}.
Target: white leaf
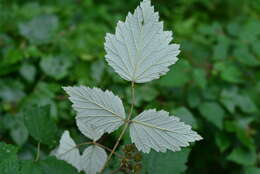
{"points": [[67, 151], [93, 159], [103, 110], [89, 130], [140, 50], [159, 131]]}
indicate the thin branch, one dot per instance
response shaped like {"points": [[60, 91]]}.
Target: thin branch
{"points": [[127, 121], [94, 143], [38, 152], [108, 149]]}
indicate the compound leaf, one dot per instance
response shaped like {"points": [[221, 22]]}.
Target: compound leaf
{"points": [[93, 159], [102, 110], [140, 50], [67, 151], [157, 130]]}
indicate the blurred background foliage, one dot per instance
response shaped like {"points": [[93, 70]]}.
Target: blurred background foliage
{"points": [[215, 85]]}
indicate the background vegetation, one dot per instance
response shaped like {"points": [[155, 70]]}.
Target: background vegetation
{"points": [[215, 85]]}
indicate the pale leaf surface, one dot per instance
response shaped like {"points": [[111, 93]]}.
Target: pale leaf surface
{"points": [[101, 109], [93, 159], [157, 130], [89, 130], [67, 151], [140, 50]]}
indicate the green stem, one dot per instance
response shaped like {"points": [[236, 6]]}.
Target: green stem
{"points": [[127, 121], [38, 152]]}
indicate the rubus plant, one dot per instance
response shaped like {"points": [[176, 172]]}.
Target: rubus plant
{"points": [[139, 51]]}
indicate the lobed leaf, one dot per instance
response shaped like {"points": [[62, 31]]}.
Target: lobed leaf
{"points": [[140, 50]]}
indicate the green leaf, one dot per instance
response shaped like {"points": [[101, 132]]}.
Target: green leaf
{"points": [[242, 156], [213, 112], [246, 104], [9, 166], [231, 99], [8, 159], [220, 50], [228, 72], [56, 66], [11, 90], [222, 141], [30, 167], [186, 116], [40, 30], [7, 151], [244, 56], [199, 76], [228, 98], [252, 170], [51, 165], [166, 163], [39, 124], [194, 98], [178, 75], [28, 72]]}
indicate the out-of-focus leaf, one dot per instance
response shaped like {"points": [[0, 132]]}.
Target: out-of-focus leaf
{"points": [[243, 55], [223, 142], [11, 90], [40, 30], [178, 75], [18, 131], [199, 76], [166, 163], [28, 72], [228, 72], [97, 71], [193, 98], [186, 116], [242, 156], [252, 170], [56, 66], [212, 112]]}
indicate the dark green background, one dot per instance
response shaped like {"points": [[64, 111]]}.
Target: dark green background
{"points": [[215, 85]]}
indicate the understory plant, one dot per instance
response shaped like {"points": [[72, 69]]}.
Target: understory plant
{"points": [[139, 51]]}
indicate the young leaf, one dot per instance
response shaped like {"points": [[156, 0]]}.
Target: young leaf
{"points": [[93, 159], [67, 151], [95, 107], [140, 50], [157, 130]]}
